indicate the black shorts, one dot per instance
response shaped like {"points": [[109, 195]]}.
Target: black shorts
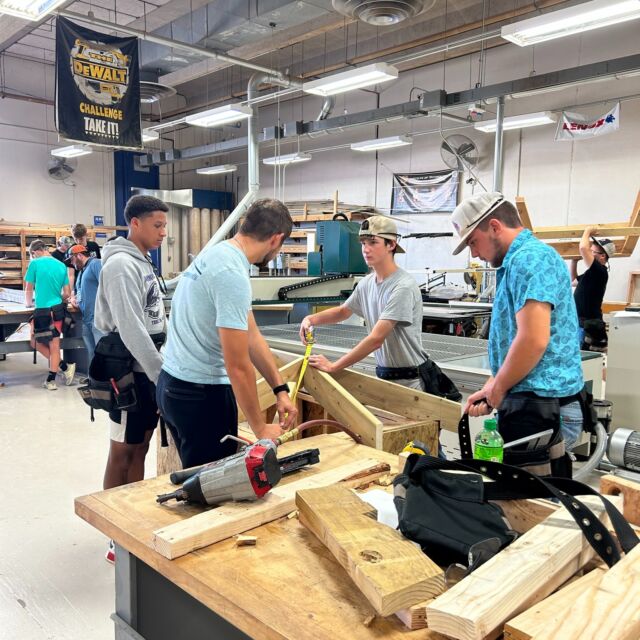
{"points": [[130, 427]]}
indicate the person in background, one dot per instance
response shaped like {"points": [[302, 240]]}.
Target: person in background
{"points": [[60, 253], [49, 278], [79, 233], [88, 270], [591, 286], [533, 351], [130, 311], [214, 343]]}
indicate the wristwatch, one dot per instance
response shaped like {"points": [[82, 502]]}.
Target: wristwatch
{"points": [[279, 388]]}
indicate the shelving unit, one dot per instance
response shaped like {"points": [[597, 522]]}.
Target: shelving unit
{"points": [[14, 246]]}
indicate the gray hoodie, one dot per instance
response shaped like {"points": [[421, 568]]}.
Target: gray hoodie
{"points": [[129, 302]]}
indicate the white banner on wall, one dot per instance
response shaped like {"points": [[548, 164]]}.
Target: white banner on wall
{"points": [[573, 126]]}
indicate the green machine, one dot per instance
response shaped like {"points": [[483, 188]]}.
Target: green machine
{"points": [[340, 250]]}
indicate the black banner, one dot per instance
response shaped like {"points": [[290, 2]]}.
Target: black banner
{"points": [[97, 87], [435, 191]]}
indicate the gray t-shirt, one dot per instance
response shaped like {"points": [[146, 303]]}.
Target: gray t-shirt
{"points": [[213, 293], [397, 298]]}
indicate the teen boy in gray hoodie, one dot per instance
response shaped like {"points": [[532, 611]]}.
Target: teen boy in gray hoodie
{"points": [[129, 302]]}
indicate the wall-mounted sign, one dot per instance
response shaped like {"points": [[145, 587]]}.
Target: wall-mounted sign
{"points": [[429, 192], [97, 87]]}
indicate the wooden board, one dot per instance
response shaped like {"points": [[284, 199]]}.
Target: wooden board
{"points": [[270, 592], [528, 570], [233, 518], [344, 406], [608, 609], [523, 211], [389, 570], [550, 610], [614, 486], [395, 398]]}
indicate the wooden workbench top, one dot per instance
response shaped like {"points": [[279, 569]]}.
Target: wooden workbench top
{"points": [[287, 586]]}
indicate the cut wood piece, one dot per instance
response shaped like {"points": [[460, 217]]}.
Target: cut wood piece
{"points": [[528, 570], [550, 610], [607, 609], [390, 570], [246, 541], [395, 398], [343, 406], [526, 514], [615, 485], [415, 617], [233, 518], [395, 437]]}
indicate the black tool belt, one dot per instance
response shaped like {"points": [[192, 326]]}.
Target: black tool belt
{"points": [[397, 373], [112, 383]]}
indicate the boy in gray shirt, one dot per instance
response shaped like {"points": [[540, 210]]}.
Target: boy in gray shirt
{"points": [[390, 301]]}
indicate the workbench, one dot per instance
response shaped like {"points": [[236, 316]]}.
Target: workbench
{"points": [[287, 586]]}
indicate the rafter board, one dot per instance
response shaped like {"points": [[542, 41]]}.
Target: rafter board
{"points": [[523, 211], [607, 609], [572, 249], [546, 557], [615, 229], [548, 612], [266, 399], [341, 404], [232, 518], [389, 570], [402, 400], [634, 221], [616, 485]]}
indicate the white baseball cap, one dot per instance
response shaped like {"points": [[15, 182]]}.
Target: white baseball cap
{"points": [[470, 213], [606, 245], [382, 227]]}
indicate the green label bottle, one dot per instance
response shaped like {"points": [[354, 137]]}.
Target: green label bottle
{"points": [[489, 444]]}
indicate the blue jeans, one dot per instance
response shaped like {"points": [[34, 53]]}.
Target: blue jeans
{"points": [[91, 336], [571, 424]]}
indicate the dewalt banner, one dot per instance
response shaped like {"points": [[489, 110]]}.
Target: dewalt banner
{"points": [[97, 87]]}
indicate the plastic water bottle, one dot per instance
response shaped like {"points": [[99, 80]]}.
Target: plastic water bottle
{"points": [[489, 444]]}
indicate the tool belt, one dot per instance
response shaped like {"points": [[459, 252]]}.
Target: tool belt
{"points": [[44, 329], [435, 382], [454, 519], [111, 384]]}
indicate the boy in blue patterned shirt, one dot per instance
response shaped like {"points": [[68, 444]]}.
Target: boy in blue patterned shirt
{"points": [[533, 349]]}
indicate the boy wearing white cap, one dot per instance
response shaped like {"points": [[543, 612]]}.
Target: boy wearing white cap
{"points": [[533, 351], [390, 301]]}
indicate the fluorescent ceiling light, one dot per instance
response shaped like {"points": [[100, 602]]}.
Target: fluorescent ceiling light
{"points": [[290, 158], [149, 135], [352, 79], [517, 122], [382, 143], [221, 168], [29, 9], [566, 22], [72, 151], [220, 115]]}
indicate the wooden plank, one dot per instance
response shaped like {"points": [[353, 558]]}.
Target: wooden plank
{"points": [[395, 398], [634, 221], [550, 610], [545, 557], [415, 616], [607, 609], [571, 249], [295, 249], [233, 518], [388, 569], [615, 485], [521, 206], [613, 229], [396, 436], [345, 407]]}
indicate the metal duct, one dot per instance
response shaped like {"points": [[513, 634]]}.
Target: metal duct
{"points": [[382, 13]]}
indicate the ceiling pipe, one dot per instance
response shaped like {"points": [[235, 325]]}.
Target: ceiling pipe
{"points": [[253, 153], [168, 42], [498, 151]]}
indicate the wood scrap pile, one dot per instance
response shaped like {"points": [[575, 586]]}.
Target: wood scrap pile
{"points": [[547, 585]]}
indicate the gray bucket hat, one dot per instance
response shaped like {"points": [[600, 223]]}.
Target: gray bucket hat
{"points": [[470, 213]]}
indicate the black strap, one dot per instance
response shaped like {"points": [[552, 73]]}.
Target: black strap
{"points": [[514, 483], [464, 438]]}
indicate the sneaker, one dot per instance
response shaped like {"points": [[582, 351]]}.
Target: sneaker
{"points": [[50, 385], [69, 373], [110, 556]]}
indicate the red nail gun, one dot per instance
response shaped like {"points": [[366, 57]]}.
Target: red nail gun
{"points": [[246, 475]]}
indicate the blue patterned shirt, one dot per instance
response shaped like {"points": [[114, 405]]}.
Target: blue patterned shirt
{"points": [[532, 270]]}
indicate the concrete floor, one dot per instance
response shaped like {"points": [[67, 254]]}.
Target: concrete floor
{"points": [[54, 581]]}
